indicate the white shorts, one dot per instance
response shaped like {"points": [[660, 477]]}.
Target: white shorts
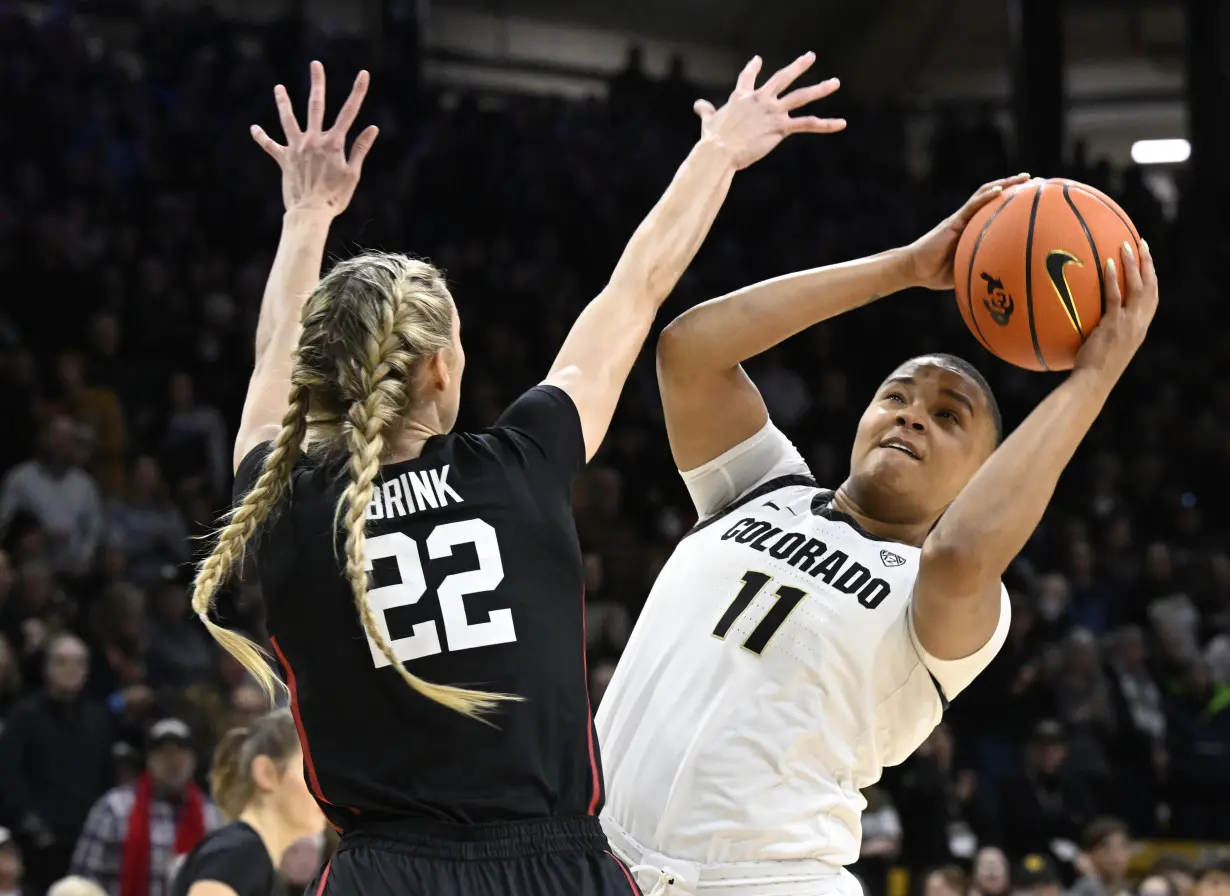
{"points": [[659, 875]]}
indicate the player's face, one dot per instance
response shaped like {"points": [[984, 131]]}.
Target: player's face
{"points": [[919, 442], [295, 802]]}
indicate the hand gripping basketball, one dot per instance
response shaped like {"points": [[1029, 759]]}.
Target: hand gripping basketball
{"points": [[1115, 340], [755, 119]]}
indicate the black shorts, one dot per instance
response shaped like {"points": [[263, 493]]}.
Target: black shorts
{"points": [[544, 857]]}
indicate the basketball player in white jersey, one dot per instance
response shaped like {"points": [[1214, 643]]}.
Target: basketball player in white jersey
{"points": [[800, 639]]}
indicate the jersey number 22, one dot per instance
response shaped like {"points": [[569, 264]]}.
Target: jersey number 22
{"points": [[459, 633]]}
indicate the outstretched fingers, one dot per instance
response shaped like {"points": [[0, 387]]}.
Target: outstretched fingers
{"points": [[286, 113], [362, 146], [809, 124], [796, 99], [316, 99], [267, 143], [747, 77], [350, 109], [783, 78]]}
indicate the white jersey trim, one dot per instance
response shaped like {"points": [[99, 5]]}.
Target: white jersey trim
{"points": [[766, 455], [954, 676]]}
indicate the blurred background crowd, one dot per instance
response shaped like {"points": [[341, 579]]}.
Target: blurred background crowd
{"points": [[137, 224]]}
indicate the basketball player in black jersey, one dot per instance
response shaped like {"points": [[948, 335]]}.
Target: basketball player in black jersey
{"points": [[392, 551]]}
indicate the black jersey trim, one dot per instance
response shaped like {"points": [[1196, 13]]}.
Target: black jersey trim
{"points": [[759, 491], [939, 689], [822, 505]]}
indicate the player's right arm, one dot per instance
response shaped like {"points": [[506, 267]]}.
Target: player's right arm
{"points": [[711, 405], [957, 601], [317, 183], [602, 346]]}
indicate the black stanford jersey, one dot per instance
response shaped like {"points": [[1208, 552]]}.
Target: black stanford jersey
{"points": [[477, 581]]}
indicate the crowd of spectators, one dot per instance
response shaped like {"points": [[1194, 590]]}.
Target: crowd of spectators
{"points": [[137, 224]]}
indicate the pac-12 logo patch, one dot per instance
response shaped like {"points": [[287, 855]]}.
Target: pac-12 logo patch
{"points": [[891, 559]]}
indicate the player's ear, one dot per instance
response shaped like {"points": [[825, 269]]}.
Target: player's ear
{"points": [[438, 370], [264, 774]]}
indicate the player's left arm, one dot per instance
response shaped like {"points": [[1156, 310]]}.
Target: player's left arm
{"points": [[958, 598], [317, 183]]}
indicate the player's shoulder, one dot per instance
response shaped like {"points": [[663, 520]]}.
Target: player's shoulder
{"points": [[236, 840]]}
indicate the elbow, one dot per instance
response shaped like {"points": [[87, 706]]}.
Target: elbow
{"points": [[959, 561], [673, 346]]}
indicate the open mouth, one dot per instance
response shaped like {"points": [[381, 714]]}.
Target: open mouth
{"points": [[898, 445]]}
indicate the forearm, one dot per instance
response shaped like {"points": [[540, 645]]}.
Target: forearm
{"points": [[295, 271], [667, 240], [726, 331], [998, 510]]}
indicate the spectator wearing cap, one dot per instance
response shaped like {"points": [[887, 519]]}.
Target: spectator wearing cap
{"points": [[1106, 850], [55, 756], [1046, 803], [11, 869], [1035, 876], [136, 831]]}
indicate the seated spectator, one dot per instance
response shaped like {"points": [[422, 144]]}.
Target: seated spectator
{"points": [[61, 497], [75, 886], [180, 652], [947, 881], [11, 870], [1105, 852], [881, 842], [1213, 878], [1046, 802], [1198, 717], [1035, 876], [194, 446], [151, 527], [99, 410], [1156, 885], [990, 873], [55, 753], [135, 832]]}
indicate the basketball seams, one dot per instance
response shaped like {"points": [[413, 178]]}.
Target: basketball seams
{"points": [[1093, 247], [1029, 276], [969, 279]]}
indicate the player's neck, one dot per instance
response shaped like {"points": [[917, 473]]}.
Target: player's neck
{"points": [[271, 829], [906, 533], [407, 442]]}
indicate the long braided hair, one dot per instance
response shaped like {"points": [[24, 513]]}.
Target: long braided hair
{"points": [[367, 329]]}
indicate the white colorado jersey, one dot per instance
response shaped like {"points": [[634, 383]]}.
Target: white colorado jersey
{"points": [[772, 674]]}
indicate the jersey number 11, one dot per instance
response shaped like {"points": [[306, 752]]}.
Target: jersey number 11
{"points": [[753, 583]]}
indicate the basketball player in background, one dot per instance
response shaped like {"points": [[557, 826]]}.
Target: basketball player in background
{"points": [[800, 639], [476, 572], [257, 781]]}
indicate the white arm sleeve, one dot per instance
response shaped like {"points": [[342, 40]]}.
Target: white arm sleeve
{"points": [[766, 455], [954, 676]]}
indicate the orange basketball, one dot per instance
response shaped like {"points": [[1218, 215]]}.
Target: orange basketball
{"points": [[1030, 268]]}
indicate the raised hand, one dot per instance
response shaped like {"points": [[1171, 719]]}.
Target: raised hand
{"points": [[1125, 321], [755, 119], [932, 253], [315, 171]]}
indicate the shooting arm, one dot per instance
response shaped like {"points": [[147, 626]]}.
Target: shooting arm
{"points": [[958, 596]]}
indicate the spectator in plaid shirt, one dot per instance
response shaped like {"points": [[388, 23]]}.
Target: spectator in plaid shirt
{"points": [[130, 852]]}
